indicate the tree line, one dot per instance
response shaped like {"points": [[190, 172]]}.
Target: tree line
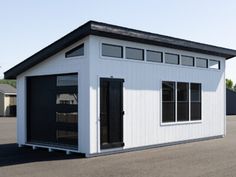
{"points": [[230, 85], [10, 82]]}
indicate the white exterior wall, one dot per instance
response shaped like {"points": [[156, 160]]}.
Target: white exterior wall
{"points": [[142, 96], [58, 64]]}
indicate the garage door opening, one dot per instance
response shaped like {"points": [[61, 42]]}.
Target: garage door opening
{"points": [[52, 110]]}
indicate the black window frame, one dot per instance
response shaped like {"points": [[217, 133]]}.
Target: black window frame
{"points": [[189, 101], [154, 51], [219, 64], [112, 45], [187, 56], [182, 101], [167, 103], [73, 50], [173, 54], [133, 48], [207, 62]]}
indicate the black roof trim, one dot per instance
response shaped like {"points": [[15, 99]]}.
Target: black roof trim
{"points": [[116, 32], [48, 51]]}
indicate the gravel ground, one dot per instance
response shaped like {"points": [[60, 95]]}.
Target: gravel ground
{"points": [[216, 158]]}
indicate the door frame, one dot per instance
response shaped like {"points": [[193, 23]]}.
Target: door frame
{"points": [[118, 145], [27, 110]]}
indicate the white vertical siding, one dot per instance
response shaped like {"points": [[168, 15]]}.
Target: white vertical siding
{"points": [[58, 64], [142, 96], [21, 110]]}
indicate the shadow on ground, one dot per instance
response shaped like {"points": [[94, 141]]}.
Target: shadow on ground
{"points": [[10, 154]]}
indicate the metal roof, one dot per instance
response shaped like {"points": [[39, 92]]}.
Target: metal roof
{"points": [[7, 89], [116, 32]]}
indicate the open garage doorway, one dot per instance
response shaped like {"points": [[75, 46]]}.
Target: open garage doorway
{"points": [[52, 110]]}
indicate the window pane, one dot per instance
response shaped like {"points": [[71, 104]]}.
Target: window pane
{"points": [[77, 51], [195, 101], [67, 80], [168, 91], [168, 102], [66, 137], [187, 61], [65, 98], [67, 125], [112, 50], [104, 89], [214, 64], [154, 56], [195, 92], [183, 101], [201, 63], [66, 108], [195, 110], [172, 58], [182, 91], [66, 117], [136, 54]]}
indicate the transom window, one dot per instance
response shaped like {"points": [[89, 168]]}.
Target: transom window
{"points": [[214, 64], [134, 53], [154, 56], [119, 51], [187, 60], [109, 50], [201, 62], [77, 51], [172, 58], [181, 102]]}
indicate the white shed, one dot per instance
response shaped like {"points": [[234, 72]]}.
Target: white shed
{"points": [[7, 100], [103, 89]]}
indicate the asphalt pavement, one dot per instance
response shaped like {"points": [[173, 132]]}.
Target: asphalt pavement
{"points": [[212, 158]]}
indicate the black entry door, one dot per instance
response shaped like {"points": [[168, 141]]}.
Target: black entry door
{"points": [[52, 110], [111, 113]]}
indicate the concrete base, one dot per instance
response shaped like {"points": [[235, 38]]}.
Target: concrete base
{"points": [[152, 146]]}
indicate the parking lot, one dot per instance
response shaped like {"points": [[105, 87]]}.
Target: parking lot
{"points": [[216, 158]]}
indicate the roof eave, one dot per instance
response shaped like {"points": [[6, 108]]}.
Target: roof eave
{"points": [[112, 31], [116, 32], [48, 51]]}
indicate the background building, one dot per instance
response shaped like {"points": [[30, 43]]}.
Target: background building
{"points": [[230, 102], [7, 100]]}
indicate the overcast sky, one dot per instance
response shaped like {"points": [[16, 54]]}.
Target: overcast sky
{"points": [[26, 26]]}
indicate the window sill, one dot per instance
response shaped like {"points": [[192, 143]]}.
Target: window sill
{"points": [[181, 123]]}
